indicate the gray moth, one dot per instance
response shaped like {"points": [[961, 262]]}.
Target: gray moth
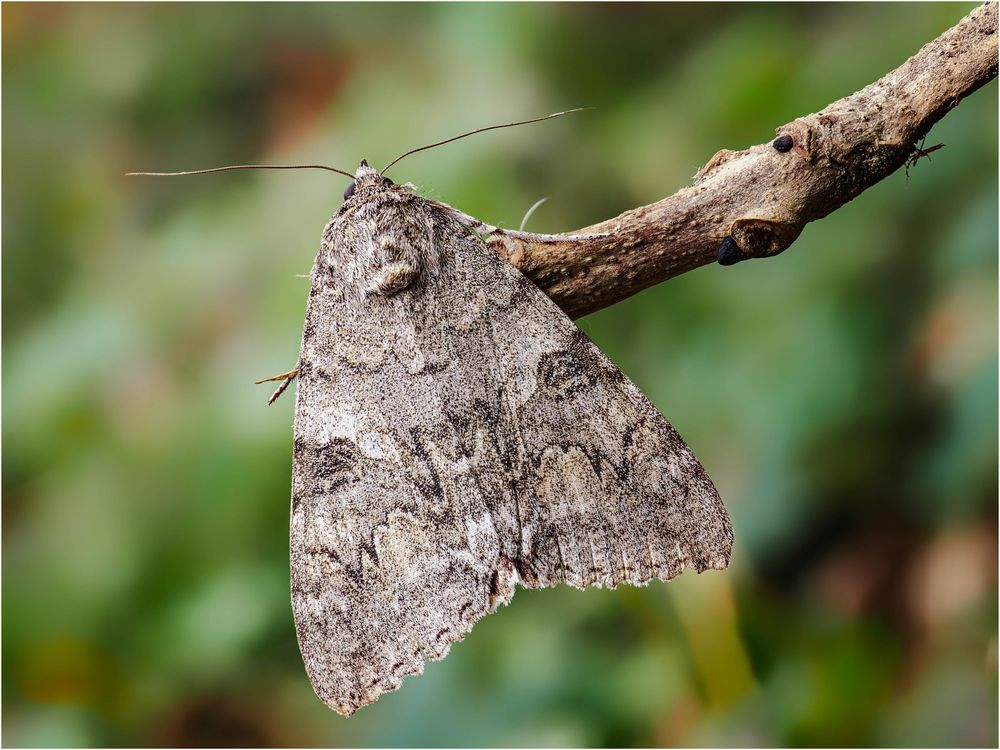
{"points": [[455, 435]]}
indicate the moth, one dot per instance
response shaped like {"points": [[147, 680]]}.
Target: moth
{"points": [[455, 435]]}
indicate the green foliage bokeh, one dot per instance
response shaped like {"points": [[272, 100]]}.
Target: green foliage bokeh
{"points": [[843, 396]]}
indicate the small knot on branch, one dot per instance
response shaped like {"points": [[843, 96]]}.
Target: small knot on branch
{"points": [[760, 238]]}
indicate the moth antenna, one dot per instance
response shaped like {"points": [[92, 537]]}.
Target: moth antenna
{"points": [[240, 166], [482, 130]]}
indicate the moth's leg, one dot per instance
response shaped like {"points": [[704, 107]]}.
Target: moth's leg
{"points": [[285, 378]]}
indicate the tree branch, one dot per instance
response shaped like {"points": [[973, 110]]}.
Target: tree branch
{"points": [[754, 203]]}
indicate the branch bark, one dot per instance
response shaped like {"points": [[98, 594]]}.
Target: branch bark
{"points": [[754, 203]]}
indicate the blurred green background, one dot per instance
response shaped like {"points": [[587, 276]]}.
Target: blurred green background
{"points": [[843, 396]]}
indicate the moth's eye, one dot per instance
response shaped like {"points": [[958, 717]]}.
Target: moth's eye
{"points": [[388, 181], [349, 190]]}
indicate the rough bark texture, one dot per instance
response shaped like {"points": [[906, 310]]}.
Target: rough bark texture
{"points": [[762, 197]]}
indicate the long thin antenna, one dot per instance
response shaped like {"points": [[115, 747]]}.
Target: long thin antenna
{"points": [[481, 130], [241, 166]]}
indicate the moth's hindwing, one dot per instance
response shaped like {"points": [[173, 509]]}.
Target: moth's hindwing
{"points": [[455, 437]]}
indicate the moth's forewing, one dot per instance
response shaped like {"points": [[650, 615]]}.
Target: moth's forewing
{"points": [[457, 436]]}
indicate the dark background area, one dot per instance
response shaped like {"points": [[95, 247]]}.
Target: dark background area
{"points": [[843, 396]]}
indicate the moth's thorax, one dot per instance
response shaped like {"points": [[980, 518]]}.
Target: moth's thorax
{"points": [[381, 241]]}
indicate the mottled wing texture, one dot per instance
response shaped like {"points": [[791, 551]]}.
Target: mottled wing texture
{"points": [[455, 434]]}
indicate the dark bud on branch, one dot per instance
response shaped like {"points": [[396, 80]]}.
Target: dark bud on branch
{"points": [[783, 143], [730, 253]]}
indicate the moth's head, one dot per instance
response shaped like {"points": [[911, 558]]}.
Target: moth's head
{"points": [[366, 182]]}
